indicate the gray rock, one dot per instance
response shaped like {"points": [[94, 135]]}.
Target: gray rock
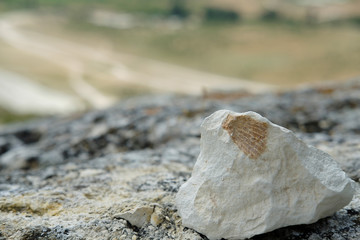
{"points": [[89, 167]]}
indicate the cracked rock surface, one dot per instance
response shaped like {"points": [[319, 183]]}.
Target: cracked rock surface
{"points": [[114, 173]]}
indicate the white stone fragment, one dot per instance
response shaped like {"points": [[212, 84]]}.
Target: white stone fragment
{"points": [[157, 217], [137, 216], [253, 176]]}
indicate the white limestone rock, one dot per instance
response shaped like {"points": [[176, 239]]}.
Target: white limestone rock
{"points": [[253, 176], [137, 215]]}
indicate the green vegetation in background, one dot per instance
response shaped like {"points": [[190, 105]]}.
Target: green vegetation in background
{"points": [[143, 6], [78, 9], [10, 117], [221, 15], [179, 9]]}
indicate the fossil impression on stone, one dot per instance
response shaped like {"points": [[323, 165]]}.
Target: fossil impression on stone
{"points": [[253, 176]]}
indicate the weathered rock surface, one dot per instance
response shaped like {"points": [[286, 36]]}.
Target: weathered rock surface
{"points": [[253, 176], [71, 178]]}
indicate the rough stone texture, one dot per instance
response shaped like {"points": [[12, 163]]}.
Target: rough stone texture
{"points": [[253, 176], [70, 178]]}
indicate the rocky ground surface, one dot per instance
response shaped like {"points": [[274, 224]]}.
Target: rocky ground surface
{"points": [[113, 174]]}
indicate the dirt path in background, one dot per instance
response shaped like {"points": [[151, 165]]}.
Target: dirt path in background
{"points": [[52, 51], [77, 59], [23, 96]]}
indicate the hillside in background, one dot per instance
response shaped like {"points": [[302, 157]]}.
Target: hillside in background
{"points": [[59, 57]]}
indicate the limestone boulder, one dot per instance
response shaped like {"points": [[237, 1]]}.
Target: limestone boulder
{"points": [[253, 176]]}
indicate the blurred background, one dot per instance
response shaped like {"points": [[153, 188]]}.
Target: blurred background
{"points": [[66, 56]]}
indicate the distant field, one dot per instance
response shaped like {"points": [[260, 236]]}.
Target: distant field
{"points": [[143, 6], [277, 52], [266, 53], [283, 54]]}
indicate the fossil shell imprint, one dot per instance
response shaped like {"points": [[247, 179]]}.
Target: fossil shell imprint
{"points": [[247, 133]]}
